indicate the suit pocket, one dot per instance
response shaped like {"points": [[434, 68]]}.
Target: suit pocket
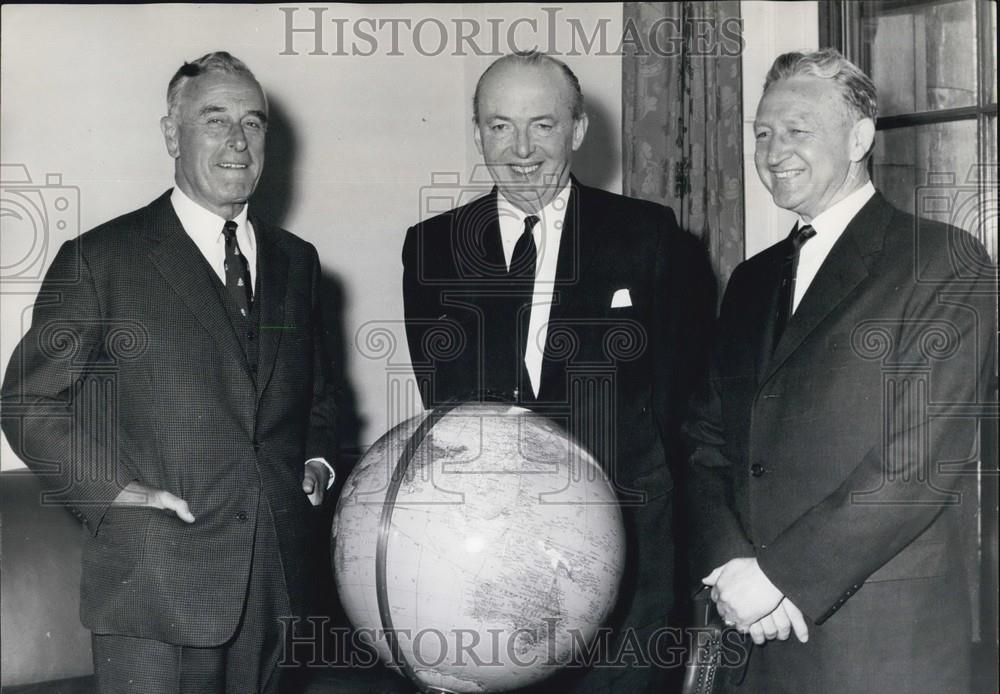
{"points": [[120, 540]]}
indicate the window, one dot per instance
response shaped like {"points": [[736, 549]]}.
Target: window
{"points": [[934, 63]]}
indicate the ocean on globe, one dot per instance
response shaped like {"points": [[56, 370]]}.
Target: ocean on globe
{"points": [[478, 548]]}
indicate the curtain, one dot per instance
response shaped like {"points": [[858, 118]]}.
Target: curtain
{"points": [[682, 125]]}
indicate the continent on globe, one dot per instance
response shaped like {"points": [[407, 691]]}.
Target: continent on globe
{"points": [[479, 546]]}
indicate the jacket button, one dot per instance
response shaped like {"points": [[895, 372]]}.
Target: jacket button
{"points": [[757, 470], [241, 517], [257, 445], [251, 334]]}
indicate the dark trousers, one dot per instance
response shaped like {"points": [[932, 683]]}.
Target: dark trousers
{"points": [[246, 664]]}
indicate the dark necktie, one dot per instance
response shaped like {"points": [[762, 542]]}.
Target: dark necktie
{"points": [[237, 271], [786, 292], [522, 274], [522, 262]]}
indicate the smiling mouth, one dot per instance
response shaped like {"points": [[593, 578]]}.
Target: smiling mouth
{"points": [[785, 175], [525, 170], [230, 165]]}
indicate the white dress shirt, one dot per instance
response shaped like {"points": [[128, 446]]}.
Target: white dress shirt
{"points": [[205, 229], [547, 233], [829, 226]]}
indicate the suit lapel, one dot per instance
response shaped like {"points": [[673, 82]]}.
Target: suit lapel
{"points": [[846, 266], [761, 325], [577, 250], [272, 269], [180, 262], [475, 248]]}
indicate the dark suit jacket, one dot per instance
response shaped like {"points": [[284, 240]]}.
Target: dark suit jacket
{"points": [[616, 378], [132, 370], [835, 460]]}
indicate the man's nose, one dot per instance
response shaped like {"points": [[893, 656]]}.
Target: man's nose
{"points": [[523, 147], [237, 138], [777, 149]]}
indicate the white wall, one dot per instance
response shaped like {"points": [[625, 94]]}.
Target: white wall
{"points": [[355, 138], [769, 29]]}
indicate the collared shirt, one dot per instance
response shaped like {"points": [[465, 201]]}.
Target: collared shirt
{"points": [[829, 226], [205, 229], [547, 233]]}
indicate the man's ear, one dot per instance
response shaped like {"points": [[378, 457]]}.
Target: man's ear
{"points": [[579, 130], [862, 137], [477, 137], [168, 125]]}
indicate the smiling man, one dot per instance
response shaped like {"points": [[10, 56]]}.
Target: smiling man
{"points": [[583, 305], [833, 443], [195, 476]]}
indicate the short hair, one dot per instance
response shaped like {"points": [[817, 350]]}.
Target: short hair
{"points": [[218, 61], [855, 86], [535, 58]]}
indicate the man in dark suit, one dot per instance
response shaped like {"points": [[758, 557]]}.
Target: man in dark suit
{"points": [[580, 304], [834, 445], [170, 391]]}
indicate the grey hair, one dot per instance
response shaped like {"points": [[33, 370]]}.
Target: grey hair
{"points": [[534, 58], [218, 61], [857, 88]]}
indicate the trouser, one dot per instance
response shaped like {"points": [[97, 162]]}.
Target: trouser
{"points": [[246, 664]]}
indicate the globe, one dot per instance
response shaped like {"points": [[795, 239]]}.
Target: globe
{"points": [[477, 549]]}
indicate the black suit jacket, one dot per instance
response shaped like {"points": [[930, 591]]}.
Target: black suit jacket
{"points": [[132, 370], [618, 378], [838, 460]]}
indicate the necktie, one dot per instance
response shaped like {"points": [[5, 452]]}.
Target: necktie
{"points": [[237, 271], [522, 273], [786, 292], [522, 262]]}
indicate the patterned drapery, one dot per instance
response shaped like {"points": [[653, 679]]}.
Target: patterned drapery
{"points": [[682, 129]]}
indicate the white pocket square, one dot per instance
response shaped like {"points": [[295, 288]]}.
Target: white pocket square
{"points": [[621, 299]]}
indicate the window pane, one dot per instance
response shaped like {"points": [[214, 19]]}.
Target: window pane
{"points": [[931, 171], [923, 55], [991, 204], [992, 48]]}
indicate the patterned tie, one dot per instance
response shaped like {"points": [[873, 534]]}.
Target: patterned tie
{"points": [[237, 271], [522, 274], [786, 292]]}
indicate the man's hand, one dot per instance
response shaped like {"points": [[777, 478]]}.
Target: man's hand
{"points": [[315, 480], [135, 494], [785, 619], [743, 594]]}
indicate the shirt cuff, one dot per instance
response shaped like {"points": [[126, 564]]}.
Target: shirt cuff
{"points": [[333, 473]]}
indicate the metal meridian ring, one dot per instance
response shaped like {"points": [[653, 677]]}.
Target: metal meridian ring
{"points": [[382, 546]]}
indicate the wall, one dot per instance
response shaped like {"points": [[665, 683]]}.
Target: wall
{"points": [[356, 139], [769, 29]]}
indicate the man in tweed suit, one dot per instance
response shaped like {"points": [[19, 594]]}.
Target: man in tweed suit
{"points": [[172, 392]]}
